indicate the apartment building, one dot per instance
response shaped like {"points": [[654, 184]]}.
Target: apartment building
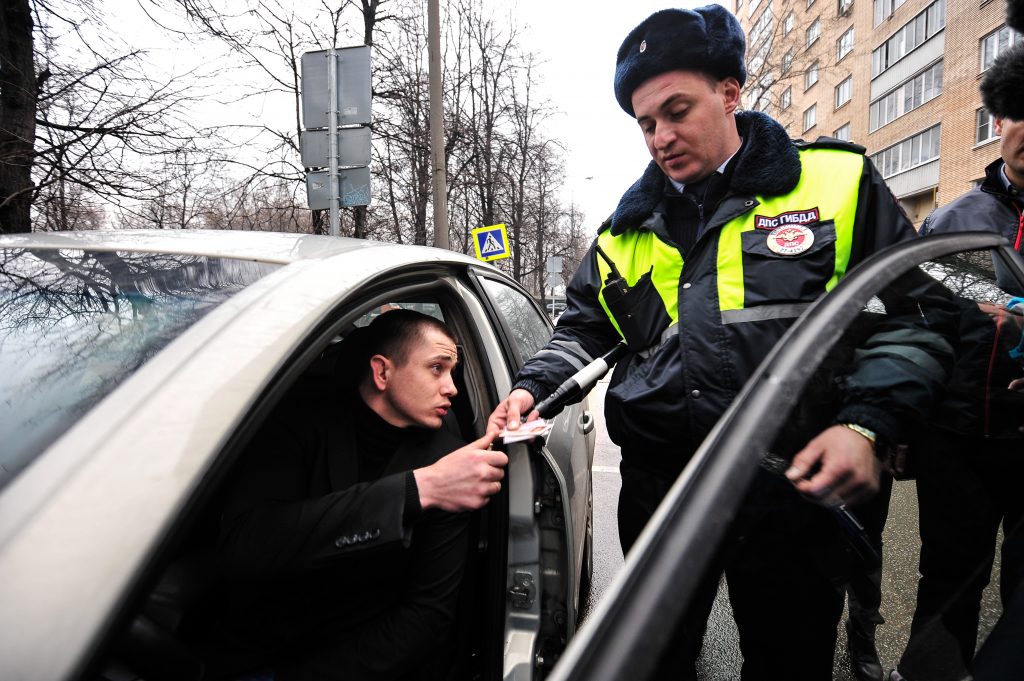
{"points": [[899, 77]]}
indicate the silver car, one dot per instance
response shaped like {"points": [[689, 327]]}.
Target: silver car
{"points": [[136, 366]]}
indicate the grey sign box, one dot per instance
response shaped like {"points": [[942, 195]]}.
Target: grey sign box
{"points": [[554, 263], [353, 147], [354, 184], [353, 87]]}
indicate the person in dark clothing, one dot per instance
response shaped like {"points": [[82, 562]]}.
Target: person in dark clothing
{"points": [[342, 537], [731, 233], [968, 477]]}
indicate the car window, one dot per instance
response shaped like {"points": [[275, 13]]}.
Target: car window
{"points": [[75, 324], [926, 548], [529, 330]]}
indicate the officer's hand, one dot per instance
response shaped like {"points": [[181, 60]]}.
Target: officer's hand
{"points": [[849, 470], [511, 410], [464, 480]]}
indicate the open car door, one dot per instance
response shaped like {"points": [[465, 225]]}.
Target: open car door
{"points": [[632, 626]]}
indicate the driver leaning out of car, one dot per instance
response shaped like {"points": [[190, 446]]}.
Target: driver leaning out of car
{"points": [[343, 537]]}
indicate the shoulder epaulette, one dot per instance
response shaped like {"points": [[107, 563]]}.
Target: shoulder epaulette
{"points": [[824, 142], [606, 225]]}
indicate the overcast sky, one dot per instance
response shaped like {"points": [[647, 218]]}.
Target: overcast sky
{"points": [[578, 41]]}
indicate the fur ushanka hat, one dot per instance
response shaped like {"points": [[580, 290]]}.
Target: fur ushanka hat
{"points": [[707, 39], [1003, 85]]}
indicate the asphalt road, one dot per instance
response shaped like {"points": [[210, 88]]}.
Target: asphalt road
{"points": [[720, 658]]}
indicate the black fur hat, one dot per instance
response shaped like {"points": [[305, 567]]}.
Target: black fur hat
{"points": [[1003, 84], [1015, 14], [707, 39]]}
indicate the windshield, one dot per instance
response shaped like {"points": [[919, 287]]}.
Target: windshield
{"points": [[75, 324]]}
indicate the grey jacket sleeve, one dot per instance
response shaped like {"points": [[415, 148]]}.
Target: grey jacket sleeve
{"points": [[583, 334]]}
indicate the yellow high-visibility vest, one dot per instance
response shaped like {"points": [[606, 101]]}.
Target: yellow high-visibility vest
{"points": [[826, 193]]}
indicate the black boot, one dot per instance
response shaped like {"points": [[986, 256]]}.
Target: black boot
{"points": [[863, 654]]}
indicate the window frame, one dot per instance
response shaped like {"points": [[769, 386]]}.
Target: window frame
{"points": [[812, 112], [840, 53], [847, 85], [811, 76]]}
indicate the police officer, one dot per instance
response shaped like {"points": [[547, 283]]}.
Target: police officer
{"points": [[729, 234]]}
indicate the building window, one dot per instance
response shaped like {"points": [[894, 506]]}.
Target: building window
{"points": [[739, 3], [758, 57], [884, 9], [753, 7], [845, 44], [842, 133], [759, 95], [909, 95], [810, 117], [787, 24], [786, 100], [984, 127], [811, 76], [995, 43], [809, 3], [912, 34], [813, 31], [844, 6], [910, 153], [844, 91], [762, 26], [787, 61]]}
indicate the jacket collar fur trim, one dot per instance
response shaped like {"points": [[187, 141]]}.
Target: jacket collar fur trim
{"points": [[768, 164]]}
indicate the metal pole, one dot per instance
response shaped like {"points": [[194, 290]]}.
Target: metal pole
{"points": [[332, 138], [440, 179]]}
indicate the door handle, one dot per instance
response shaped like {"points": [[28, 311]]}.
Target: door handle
{"points": [[586, 422]]}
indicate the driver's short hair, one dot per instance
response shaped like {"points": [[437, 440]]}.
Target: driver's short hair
{"points": [[393, 333]]}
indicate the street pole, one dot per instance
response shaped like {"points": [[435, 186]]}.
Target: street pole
{"points": [[440, 179], [332, 138]]}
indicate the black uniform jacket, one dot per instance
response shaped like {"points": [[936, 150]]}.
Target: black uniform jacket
{"points": [[662, 402], [326, 579]]}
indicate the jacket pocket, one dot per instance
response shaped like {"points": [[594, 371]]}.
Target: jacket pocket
{"points": [[771, 277], [639, 312]]}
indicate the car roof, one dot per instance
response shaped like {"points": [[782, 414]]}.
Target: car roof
{"points": [[271, 247]]}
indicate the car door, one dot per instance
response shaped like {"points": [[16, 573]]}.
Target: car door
{"points": [[550, 525], [632, 625]]}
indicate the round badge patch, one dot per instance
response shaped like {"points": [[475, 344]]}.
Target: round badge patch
{"points": [[643, 46], [790, 240]]}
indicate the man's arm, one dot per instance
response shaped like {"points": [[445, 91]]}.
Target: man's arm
{"points": [[464, 480], [273, 524], [898, 371], [583, 334], [411, 634]]}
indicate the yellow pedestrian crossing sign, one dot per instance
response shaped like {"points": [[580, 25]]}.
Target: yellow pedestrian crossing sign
{"points": [[491, 243]]}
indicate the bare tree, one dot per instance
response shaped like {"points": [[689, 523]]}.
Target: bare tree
{"points": [[82, 117], [18, 87]]}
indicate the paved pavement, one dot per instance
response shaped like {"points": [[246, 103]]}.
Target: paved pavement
{"points": [[720, 658]]}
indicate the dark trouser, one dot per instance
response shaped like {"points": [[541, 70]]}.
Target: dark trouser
{"points": [[965, 487], [865, 586], [784, 564]]}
